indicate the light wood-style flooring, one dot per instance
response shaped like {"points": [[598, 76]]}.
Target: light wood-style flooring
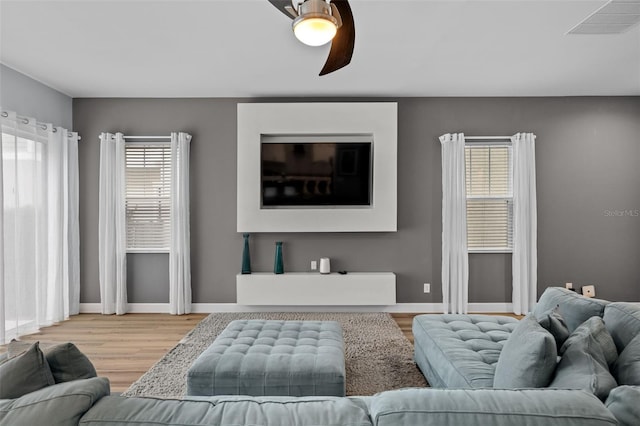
{"points": [[124, 347]]}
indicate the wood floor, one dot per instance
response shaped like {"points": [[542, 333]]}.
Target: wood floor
{"points": [[124, 347], [121, 347]]}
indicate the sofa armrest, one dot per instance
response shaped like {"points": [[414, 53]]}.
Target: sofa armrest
{"points": [[61, 404], [624, 403], [531, 407]]}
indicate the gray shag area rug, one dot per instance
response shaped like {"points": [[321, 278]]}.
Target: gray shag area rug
{"points": [[377, 355]]}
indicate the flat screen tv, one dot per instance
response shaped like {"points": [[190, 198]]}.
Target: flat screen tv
{"points": [[316, 174]]}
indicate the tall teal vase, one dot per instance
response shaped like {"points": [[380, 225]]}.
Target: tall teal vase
{"points": [[246, 256], [278, 264]]}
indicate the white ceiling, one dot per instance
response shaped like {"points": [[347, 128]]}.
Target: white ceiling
{"points": [[245, 48]]}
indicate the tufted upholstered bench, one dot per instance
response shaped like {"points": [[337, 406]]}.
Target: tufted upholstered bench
{"points": [[460, 351], [272, 358]]}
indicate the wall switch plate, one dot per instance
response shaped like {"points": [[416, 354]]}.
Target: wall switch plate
{"points": [[427, 288], [589, 291], [568, 286], [314, 265]]}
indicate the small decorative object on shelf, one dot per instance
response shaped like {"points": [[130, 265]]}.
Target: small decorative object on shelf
{"points": [[246, 256], [278, 264], [325, 265]]}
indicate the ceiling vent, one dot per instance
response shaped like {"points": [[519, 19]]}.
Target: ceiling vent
{"points": [[615, 17]]}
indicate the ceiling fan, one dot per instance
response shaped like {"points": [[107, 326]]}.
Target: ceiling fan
{"points": [[317, 22]]}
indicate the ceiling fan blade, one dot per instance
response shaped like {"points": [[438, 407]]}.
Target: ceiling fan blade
{"points": [[344, 40], [282, 5]]}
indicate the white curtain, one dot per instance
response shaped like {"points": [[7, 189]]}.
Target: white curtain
{"points": [[112, 225], [39, 244], [180, 251], [63, 227], [3, 319], [525, 223], [455, 258]]}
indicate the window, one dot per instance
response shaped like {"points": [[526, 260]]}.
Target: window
{"points": [[489, 181], [148, 196]]}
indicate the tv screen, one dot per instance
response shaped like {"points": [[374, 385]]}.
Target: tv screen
{"points": [[316, 174]]}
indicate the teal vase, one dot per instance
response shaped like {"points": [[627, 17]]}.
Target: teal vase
{"points": [[278, 264], [246, 256]]}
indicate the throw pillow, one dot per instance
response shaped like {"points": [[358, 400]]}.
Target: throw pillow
{"points": [[574, 307], [528, 358], [67, 363], [584, 364], [554, 323], [18, 347], [24, 374], [626, 369], [65, 360], [595, 328]]}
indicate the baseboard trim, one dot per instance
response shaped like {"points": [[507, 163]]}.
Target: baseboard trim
{"points": [[90, 308], [490, 307], [234, 307], [132, 308], [207, 308]]}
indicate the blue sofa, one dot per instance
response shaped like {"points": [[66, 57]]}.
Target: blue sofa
{"points": [[463, 351], [472, 400], [87, 402]]}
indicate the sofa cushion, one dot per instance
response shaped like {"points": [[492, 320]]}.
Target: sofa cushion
{"points": [[531, 407], [227, 411], [626, 369], [460, 350], [25, 373], [60, 405], [584, 364], [528, 358], [575, 308], [623, 403], [554, 323], [623, 322], [65, 360]]}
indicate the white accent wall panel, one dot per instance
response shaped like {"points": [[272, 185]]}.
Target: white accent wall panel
{"points": [[379, 119]]}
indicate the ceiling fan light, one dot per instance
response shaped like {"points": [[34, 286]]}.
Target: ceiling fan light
{"points": [[315, 31]]}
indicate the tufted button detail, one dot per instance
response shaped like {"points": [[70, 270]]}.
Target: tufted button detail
{"points": [[267, 357]]}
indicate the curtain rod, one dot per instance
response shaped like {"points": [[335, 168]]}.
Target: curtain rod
{"points": [[487, 138], [147, 137], [25, 120]]}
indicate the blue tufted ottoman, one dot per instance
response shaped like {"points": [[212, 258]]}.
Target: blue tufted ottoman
{"points": [[260, 358], [460, 351]]}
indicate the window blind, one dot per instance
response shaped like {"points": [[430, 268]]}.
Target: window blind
{"points": [[489, 181], [148, 196]]}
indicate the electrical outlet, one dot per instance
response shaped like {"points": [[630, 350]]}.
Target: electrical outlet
{"points": [[568, 286], [589, 291], [427, 288], [314, 265]]}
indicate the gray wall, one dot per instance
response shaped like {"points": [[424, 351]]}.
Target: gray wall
{"points": [[587, 163], [31, 98]]}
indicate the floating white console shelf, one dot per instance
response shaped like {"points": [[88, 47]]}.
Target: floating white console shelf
{"points": [[312, 288]]}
